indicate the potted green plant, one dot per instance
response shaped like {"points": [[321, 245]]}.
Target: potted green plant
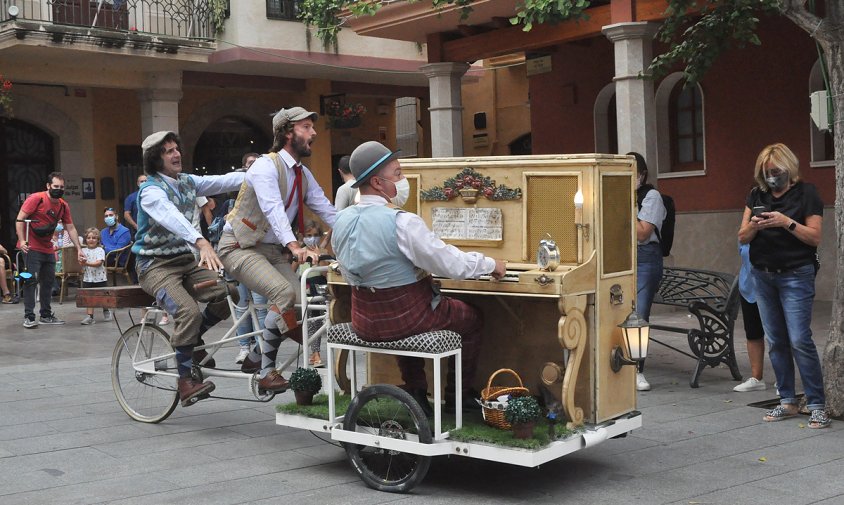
{"points": [[305, 383], [522, 413]]}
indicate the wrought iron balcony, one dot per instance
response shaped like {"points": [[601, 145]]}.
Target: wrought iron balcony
{"points": [[186, 19]]}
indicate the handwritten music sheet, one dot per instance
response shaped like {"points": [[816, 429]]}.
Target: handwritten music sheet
{"points": [[476, 224]]}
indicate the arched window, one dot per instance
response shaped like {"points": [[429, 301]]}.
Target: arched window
{"points": [[606, 121], [680, 126], [686, 128], [222, 145], [823, 150]]}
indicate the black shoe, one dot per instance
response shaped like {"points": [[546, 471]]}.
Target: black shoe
{"points": [[249, 366], [199, 355], [469, 401], [421, 397]]}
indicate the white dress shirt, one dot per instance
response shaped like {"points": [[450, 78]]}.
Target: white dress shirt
{"points": [[427, 251], [263, 177], [158, 206]]}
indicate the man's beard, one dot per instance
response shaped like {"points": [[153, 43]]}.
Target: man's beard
{"points": [[300, 146]]}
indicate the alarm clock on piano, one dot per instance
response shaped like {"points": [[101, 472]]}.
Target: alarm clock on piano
{"points": [[548, 256]]}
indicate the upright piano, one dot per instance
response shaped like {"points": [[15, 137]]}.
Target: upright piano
{"points": [[556, 325]]}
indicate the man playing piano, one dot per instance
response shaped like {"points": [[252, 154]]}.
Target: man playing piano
{"points": [[386, 254]]}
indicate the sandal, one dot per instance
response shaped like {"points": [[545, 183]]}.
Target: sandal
{"points": [[819, 419], [7, 298], [779, 413]]}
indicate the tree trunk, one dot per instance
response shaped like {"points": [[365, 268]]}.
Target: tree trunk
{"points": [[833, 356]]}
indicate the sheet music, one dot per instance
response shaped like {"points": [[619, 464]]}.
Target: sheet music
{"points": [[467, 223]]}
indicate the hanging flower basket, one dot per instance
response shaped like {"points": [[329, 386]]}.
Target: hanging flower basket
{"points": [[5, 97], [343, 115], [342, 123]]}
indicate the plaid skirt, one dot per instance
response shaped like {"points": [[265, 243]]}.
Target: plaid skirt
{"points": [[390, 314]]}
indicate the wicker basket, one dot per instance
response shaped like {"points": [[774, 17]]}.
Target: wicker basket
{"points": [[493, 410]]}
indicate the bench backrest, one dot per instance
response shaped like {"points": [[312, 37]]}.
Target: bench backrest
{"points": [[683, 286]]}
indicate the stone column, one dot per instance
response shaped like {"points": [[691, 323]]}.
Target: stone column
{"points": [[160, 103], [446, 107], [634, 95]]}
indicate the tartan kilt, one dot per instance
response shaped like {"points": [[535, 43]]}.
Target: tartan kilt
{"points": [[391, 314]]}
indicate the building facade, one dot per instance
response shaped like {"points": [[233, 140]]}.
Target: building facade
{"points": [[90, 79], [575, 87]]}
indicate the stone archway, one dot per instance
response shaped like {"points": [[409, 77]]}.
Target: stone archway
{"points": [[253, 111], [61, 134]]}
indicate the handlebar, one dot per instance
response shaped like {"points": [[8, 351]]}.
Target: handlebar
{"points": [[199, 286]]}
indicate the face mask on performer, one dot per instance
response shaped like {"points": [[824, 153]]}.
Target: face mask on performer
{"points": [[311, 241], [402, 191], [56, 193]]}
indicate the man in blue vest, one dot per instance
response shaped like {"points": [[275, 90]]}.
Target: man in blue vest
{"points": [[387, 254], [165, 262]]}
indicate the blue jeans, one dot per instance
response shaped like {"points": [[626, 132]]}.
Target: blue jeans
{"points": [[648, 275], [246, 326], [785, 304]]}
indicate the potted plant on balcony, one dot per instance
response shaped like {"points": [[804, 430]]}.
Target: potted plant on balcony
{"points": [[522, 412], [305, 383], [344, 115]]}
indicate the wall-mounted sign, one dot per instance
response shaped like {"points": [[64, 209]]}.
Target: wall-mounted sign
{"points": [[89, 191], [540, 65]]}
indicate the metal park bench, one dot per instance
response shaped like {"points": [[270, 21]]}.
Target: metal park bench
{"points": [[713, 298]]}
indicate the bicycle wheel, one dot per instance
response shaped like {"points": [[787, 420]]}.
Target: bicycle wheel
{"points": [[390, 412], [146, 396]]}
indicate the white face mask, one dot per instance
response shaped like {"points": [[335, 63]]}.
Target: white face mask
{"points": [[311, 241], [402, 192]]}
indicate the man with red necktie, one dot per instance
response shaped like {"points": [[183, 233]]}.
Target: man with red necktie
{"points": [[259, 240]]}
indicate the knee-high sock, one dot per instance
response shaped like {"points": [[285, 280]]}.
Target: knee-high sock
{"points": [[184, 360], [208, 320], [272, 340]]}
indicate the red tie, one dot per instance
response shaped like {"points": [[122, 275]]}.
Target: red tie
{"points": [[300, 199]]}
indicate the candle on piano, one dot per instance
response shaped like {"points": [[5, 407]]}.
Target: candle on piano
{"points": [[578, 208]]}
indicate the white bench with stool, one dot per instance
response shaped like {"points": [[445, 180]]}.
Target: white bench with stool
{"points": [[434, 345]]}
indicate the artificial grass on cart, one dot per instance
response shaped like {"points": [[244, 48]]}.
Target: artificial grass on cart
{"points": [[474, 429]]}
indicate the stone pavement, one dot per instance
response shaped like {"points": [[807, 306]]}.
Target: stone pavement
{"points": [[64, 439]]}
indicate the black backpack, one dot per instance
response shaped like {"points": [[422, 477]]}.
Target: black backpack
{"points": [[666, 236]]}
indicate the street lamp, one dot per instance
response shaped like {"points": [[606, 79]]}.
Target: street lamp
{"points": [[635, 331]]}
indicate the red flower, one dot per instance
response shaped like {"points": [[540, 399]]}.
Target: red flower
{"points": [[7, 85], [448, 192], [488, 192]]}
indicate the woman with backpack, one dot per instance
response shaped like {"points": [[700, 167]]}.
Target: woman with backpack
{"points": [[650, 217]]}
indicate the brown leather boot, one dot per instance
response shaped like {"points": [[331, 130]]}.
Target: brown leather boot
{"points": [[273, 382], [191, 391]]}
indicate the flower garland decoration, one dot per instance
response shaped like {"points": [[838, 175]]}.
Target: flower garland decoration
{"points": [[5, 96], [469, 179]]}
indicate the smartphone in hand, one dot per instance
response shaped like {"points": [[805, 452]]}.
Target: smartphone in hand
{"points": [[758, 210]]}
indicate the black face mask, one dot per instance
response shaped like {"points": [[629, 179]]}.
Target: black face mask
{"points": [[56, 193]]}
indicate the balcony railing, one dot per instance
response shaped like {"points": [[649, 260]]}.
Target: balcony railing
{"points": [[189, 19]]}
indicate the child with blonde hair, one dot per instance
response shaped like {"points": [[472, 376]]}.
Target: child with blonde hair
{"points": [[94, 272]]}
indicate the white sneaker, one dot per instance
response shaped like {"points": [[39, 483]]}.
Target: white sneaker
{"points": [[164, 320], [642, 383], [107, 316], [89, 319], [751, 384], [244, 352]]}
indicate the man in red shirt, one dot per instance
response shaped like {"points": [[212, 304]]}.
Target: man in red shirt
{"points": [[44, 210]]}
